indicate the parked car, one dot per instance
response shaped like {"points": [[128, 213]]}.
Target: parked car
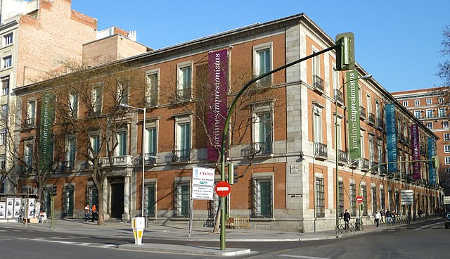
{"points": [[447, 222]]}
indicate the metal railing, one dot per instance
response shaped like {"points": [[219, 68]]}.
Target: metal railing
{"points": [[320, 150], [262, 148], [152, 99], [29, 122], [382, 169], [181, 155], [342, 157], [318, 83], [338, 96], [372, 118], [150, 158], [183, 94], [69, 164], [364, 164], [362, 114], [374, 167]]}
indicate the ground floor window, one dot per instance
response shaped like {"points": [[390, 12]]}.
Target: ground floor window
{"points": [[382, 199], [364, 195], [91, 195], [68, 196], [352, 199], [182, 199], [341, 199], [150, 199], [262, 197], [397, 202], [320, 198], [374, 200]]}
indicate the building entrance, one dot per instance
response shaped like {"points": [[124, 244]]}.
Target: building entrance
{"points": [[117, 198]]}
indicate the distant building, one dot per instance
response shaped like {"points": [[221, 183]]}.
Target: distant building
{"points": [[432, 106]]}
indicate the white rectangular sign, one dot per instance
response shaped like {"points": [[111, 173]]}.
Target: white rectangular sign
{"points": [[446, 200], [17, 207], [203, 183], [9, 208], [407, 197], [2, 210]]}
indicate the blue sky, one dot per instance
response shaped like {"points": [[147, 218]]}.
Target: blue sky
{"points": [[398, 41]]}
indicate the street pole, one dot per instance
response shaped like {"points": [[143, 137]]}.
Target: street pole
{"points": [[337, 164], [143, 163]]}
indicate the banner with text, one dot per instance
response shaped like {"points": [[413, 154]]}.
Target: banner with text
{"points": [[415, 150], [217, 100], [45, 140], [431, 153], [354, 127], [391, 137]]}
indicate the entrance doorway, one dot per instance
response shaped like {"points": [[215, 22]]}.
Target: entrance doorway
{"points": [[117, 198]]}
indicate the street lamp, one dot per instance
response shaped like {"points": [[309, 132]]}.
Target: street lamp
{"points": [[143, 158], [336, 147]]}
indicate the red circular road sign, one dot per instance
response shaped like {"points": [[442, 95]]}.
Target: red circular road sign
{"points": [[222, 188], [359, 199]]}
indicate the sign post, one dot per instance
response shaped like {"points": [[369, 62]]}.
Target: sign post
{"points": [[223, 189], [202, 188]]}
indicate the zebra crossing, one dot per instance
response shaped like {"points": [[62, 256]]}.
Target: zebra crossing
{"points": [[67, 242]]}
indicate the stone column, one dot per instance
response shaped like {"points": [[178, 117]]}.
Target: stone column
{"points": [[126, 199]]}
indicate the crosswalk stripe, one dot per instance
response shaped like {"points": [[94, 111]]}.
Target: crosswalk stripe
{"points": [[426, 226], [302, 256], [72, 243]]}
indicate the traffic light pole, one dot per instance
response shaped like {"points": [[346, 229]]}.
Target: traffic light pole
{"points": [[226, 130]]}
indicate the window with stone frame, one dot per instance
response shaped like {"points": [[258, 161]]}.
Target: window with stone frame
{"points": [[374, 200], [150, 199], [182, 199], [341, 199], [319, 197], [262, 115], [352, 199], [262, 62], [364, 195], [68, 200], [382, 199], [152, 88], [91, 194], [262, 196]]}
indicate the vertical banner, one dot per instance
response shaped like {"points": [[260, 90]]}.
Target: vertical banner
{"points": [[415, 151], [354, 135], [217, 100], [45, 140], [431, 153], [391, 137]]}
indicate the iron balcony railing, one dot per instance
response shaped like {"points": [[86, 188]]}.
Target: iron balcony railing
{"points": [[374, 167], [150, 158], [342, 157], [262, 148], [318, 83], [320, 150], [181, 155], [362, 115], [338, 96], [371, 118], [365, 164], [68, 165], [183, 94], [29, 122]]}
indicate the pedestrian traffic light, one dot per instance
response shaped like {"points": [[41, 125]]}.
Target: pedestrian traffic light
{"points": [[345, 51]]}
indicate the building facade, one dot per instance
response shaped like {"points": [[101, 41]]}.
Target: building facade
{"points": [[282, 140], [431, 106]]}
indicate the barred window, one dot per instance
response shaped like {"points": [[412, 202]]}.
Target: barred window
{"points": [[374, 200], [353, 198], [262, 197], [150, 199], [382, 199], [182, 201], [320, 198], [364, 195], [341, 198]]}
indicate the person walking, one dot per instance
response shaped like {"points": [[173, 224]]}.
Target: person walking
{"points": [[346, 219], [377, 218], [94, 212], [86, 212]]}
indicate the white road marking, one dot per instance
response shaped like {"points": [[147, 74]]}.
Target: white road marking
{"points": [[429, 225], [72, 243], [303, 257]]}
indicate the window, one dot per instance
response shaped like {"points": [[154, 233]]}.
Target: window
{"points": [[377, 112], [4, 111], [151, 92], [445, 124], [96, 100], [262, 197], [369, 104], [95, 144], [320, 198], [317, 124], [371, 150], [429, 125], [91, 195], [364, 195], [429, 101], [374, 200], [28, 155], [5, 85], [150, 199], [31, 113], [417, 102], [263, 61], [151, 141], [341, 198], [121, 149], [8, 39], [441, 100], [73, 105], [447, 136], [382, 199], [316, 64], [405, 103], [380, 156], [417, 114], [183, 139], [7, 61], [70, 151], [336, 78], [182, 199], [3, 162], [447, 148], [3, 137], [184, 85], [262, 129], [429, 113], [442, 112], [68, 200], [362, 144], [122, 93], [339, 133], [352, 198]]}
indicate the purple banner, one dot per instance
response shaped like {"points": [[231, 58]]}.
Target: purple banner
{"points": [[416, 151], [217, 100]]}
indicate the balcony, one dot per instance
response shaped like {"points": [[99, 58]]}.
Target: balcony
{"points": [[342, 157], [257, 149], [28, 123], [374, 167], [183, 95], [69, 165], [320, 151], [362, 114], [339, 97], [380, 124], [151, 100], [372, 119], [364, 164], [117, 161], [181, 156], [318, 84], [150, 159]]}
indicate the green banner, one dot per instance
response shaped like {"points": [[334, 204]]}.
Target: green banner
{"points": [[45, 134], [354, 137]]}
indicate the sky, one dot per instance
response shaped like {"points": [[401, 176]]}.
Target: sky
{"points": [[397, 41]]}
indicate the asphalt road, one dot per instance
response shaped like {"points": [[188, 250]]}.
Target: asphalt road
{"points": [[423, 240]]}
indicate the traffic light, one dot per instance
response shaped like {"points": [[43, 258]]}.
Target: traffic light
{"points": [[345, 51]]}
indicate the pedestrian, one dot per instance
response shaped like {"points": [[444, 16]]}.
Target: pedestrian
{"points": [[377, 218], [388, 217], [86, 212], [346, 219], [383, 214], [94, 212]]}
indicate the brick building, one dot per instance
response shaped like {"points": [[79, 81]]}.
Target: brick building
{"points": [[431, 106], [282, 143]]}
